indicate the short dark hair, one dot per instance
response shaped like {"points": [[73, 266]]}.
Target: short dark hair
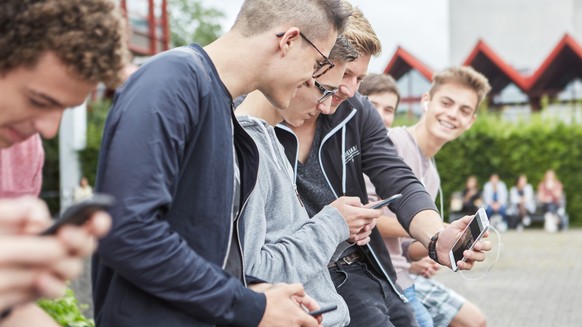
{"points": [[343, 50], [257, 16], [88, 36], [379, 83]]}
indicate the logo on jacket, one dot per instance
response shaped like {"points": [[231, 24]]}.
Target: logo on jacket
{"points": [[351, 153]]}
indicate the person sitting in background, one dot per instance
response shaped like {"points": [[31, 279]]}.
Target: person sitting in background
{"points": [[83, 191], [550, 195], [521, 203], [495, 201], [471, 196]]}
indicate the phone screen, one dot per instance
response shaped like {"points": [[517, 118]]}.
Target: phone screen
{"points": [[471, 234]]}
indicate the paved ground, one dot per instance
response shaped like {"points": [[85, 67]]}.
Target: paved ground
{"points": [[536, 282]]}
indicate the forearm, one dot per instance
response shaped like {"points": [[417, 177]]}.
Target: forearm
{"points": [[424, 225], [416, 251], [306, 246], [390, 227]]}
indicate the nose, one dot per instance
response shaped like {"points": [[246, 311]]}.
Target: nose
{"points": [[48, 124], [325, 106], [347, 91]]}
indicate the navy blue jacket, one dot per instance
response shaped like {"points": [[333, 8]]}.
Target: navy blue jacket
{"points": [[167, 157]]}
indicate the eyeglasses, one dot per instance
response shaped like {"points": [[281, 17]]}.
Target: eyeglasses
{"points": [[322, 66], [325, 92]]}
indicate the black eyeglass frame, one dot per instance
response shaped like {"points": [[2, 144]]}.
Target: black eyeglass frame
{"points": [[325, 92], [324, 66]]}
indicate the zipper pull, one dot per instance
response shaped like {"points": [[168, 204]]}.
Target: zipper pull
{"points": [[297, 193]]}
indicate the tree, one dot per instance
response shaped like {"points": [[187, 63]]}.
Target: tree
{"points": [[191, 22]]}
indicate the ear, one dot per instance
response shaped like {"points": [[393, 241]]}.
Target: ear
{"points": [[424, 100], [288, 39], [473, 118]]}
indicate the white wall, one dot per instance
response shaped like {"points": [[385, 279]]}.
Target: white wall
{"points": [[522, 32]]}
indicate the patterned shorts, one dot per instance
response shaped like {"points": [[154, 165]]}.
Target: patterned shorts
{"points": [[441, 302]]}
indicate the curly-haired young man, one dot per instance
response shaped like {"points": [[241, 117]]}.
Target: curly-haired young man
{"points": [[52, 54]]}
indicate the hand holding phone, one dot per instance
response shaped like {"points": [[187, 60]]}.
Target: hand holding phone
{"points": [[323, 310], [466, 241], [387, 201], [79, 213]]}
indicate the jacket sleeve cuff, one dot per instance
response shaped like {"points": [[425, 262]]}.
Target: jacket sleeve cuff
{"points": [[249, 310]]}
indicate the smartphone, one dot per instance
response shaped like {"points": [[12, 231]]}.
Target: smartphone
{"points": [[472, 233], [387, 201], [79, 213], [323, 310]]}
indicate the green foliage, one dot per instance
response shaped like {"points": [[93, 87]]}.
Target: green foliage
{"points": [[96, 116], [510, 149], [191, 22], [66, 311]]}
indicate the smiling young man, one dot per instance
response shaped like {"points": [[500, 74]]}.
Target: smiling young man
{"points": [[182, 168], [331, 153], [52, 55], [450, 109]]}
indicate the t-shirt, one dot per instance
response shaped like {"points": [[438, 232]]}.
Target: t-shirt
{"points": [[21, 168]]}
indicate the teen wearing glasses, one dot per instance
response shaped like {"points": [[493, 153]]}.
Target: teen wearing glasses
{"points": [[282, 243], [182, 168]]}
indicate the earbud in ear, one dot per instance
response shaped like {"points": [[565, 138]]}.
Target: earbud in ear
{"points": [[425, 105]]}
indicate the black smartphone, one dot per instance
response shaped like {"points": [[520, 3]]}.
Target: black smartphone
{"points": [[79, 213], [323, 310], [385, 202]]}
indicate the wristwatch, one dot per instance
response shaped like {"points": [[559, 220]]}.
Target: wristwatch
{"points": [[432, 253]]}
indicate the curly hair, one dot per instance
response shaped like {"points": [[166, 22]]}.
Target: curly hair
{"points": [[89, 36]]}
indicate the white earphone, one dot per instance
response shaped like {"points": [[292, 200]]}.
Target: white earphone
{"points": [[425, 105]]}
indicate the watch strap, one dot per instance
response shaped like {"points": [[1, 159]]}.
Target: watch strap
{"points": [[432, 253]]}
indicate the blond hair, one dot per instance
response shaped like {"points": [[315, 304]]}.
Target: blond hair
{"points": [[361, 34], [462, 75]]}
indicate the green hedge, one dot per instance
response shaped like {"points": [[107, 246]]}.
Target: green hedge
{"points": [[491, 145], [532, 147]]}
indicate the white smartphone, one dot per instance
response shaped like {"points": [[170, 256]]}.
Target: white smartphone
{"points": [[472, 233]]}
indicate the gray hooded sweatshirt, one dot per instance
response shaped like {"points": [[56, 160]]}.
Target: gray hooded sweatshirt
{"points": [[282, 244]]}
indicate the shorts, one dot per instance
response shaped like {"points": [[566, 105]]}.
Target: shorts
{"points": [[442, 303]]}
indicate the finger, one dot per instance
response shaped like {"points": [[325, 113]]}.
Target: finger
{"points": [[50, 286], [30, 250], [77, 240], [483, 245], [309, 303], [293, 289], [474, 256], [465, 265], [99, 224], [23, 215], [18, 279], [363, 241], [68, 269], [11, 299]]}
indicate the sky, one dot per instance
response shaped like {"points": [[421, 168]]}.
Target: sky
{"points": [[419, 26]]}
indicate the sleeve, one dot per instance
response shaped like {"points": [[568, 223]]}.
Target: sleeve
{"points": [[144, 140], [305, 245], [387, 171]]}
